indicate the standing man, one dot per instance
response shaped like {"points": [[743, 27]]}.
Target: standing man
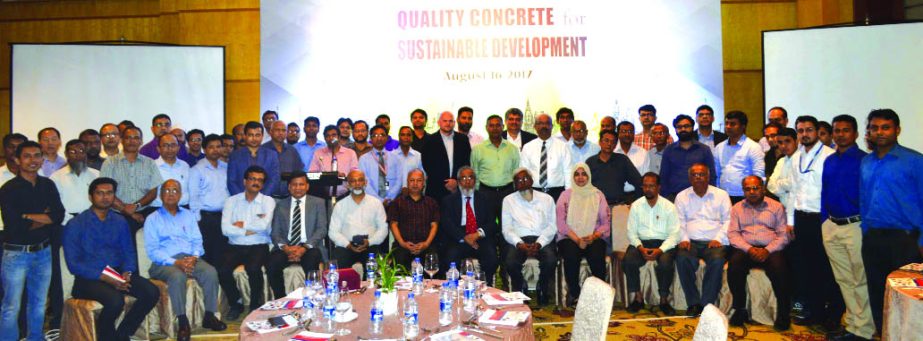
{"points": [[361, 137], [299, 225], [614, 172], [737, 157], [655, 155], [385, 121], [95, 241], [635, 153], [465, 121], [246, 221], [529, 229], [293, 133], [73, 180], [90, 139], [238, 132], [194, 153], [345, 130], [890, 197], [307, 147], [579, 147], [704, 212], [565, 118], [111, 140], [547, 157], [137, 176], [495, 159], [377, 163], [32, 210], [772, 156], [289, 160], [252, 155], [777, 115], [403, 160], [705, 116], [267, 118], [648, 116], [825, 134], [171, 167], [207, 192], [443, 154], [468, 224], [780, 184], [758, 232], [680, 156], [607, 123], [514, 132], [9, 169], [160, 125], [418, 118], [414, 221], [358, 224], [842, 233], [228, 144], [334, 158], [50, 140]]}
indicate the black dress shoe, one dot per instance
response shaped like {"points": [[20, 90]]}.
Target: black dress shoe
{"points": [[847, 336], [184, 333], [634, 307], [213, 323], [234, 312], [781, 325], [739, 318], [694, 310], [667, 309], [806, 320], [832, 326]]}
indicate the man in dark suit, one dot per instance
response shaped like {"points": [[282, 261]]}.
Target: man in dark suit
{"points": [[705, 116], [514, 132], [443, 154], [299, 224], [468, 225]]}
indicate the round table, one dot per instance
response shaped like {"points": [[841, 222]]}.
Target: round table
{"points": [[429, 314], [903, 315]]}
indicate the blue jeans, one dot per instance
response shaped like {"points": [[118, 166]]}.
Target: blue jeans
{"points": [[22, 270]]}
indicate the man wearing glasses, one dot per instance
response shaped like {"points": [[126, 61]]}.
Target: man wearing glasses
{"points": [[377, 163], [648, 116], [580, 149], [111, 140], [655, 155], [138, 178], [705, 116], [161, 125]]}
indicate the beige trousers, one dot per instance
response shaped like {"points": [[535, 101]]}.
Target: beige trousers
{"points": [[843, 244]]}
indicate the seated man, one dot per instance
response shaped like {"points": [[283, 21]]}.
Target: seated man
{"points": [[529, 229], [358, 224], [703, 212], [653, 231], [246, 221], [468, 225], [96, 240], [299, 224], [174, 244], [758, 232], [414, 220]]}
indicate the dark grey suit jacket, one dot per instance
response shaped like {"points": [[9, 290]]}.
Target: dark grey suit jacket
{"points": [[314, 217]]}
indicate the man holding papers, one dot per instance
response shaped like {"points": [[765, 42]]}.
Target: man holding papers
{"points": [[99, 252]]}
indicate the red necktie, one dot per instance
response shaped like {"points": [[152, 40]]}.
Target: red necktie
{"points": [[471, 225]]}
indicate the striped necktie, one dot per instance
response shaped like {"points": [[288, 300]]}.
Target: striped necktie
{"points": [[543, 169], [295, 238]]}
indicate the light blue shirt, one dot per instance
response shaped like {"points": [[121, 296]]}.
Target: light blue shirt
{"points": [[368, 164], [256, 216], [166, 235], [307, 152], [398, 166], [735, 162], [49, 167], [179, 171], [207, 187], [580, 154]]}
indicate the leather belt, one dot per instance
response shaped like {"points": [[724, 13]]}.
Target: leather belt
{"points": [[847, 220], [26, 248]]}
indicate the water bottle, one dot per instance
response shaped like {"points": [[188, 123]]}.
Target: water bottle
{"points": [[330, 311], [333, 277], [470, 301], [376, 315], [416, 270], [411, 318], [445, 304], [370, 268], [451, 277], [306, 306]]}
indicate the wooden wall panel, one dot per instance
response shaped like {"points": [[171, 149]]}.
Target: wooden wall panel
{"points": [[741, 28], [743, 90]]}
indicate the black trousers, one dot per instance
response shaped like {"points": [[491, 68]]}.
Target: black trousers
{"points": [[346, 258], [213, 240], [486, 254], [739, 265], [554, 192], [883, 251], [736, 199], [664, 269], [515, 258], [278, 261], [822, 299], [252, 257], [571, 254], [113, 302], [403, 256]]}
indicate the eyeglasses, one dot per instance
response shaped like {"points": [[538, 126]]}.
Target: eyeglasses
{"points": [[76, 151], [171, 191], [698, 175], [522, 180], [466, 178], [162, 124], [379, 135], [195, 140], [110, 135]]}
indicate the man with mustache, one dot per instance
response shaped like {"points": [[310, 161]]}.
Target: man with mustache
{"points": [[679, 156]]}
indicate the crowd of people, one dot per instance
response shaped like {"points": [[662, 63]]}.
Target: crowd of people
{"points": [[825, 220]]}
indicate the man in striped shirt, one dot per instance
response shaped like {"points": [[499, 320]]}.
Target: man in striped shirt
{"points": [[758, 231]]}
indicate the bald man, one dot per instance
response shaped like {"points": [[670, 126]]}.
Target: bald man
{"points": [[443, 154], [358, 224], [289, 159]]}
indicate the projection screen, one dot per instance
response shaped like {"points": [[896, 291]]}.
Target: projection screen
{"points": [[359, 59], [826, 72], [75, 87]]}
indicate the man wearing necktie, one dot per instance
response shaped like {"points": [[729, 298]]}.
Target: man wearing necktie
{"points": [[299, 224], [468, 225], [375, 164]]}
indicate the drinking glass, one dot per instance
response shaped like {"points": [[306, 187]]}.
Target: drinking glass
{"points": [[343, 307], [431, 265]]}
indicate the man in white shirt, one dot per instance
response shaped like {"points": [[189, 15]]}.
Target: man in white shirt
{"points": [[704, 214], [246, 221], [653, 231], [73, 181], [172, 167], [777, 115], [660, 132], [579, 147], [780, 183], [737, 157], [565, 118], [546, 158], [634, 152], [528, 226], [823, 303], [465, 122], [402, 160], [358, 225]]}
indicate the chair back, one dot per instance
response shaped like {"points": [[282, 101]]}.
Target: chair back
{"points": [[591, 320]]}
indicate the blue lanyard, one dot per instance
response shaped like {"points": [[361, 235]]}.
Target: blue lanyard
{"points": [[801, 161]]}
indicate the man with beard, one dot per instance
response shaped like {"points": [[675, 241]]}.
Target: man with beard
{"points": [[529, 229], [74, 179], [465, 121], [468, 224], [311, 143], [514, 132], [565, 118], [334, 158], [111, 140], [495, 159], [705, 116], [289, 160], [345, 129], [418, 120], [579, 148], [238, 132], [293, 133], [548, 158], [443, 154], [361, 137], [679, 156], [648, 116], [91, 140], [358, 224]]}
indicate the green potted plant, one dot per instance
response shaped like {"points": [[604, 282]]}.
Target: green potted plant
{"points": [[388, 274]]}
